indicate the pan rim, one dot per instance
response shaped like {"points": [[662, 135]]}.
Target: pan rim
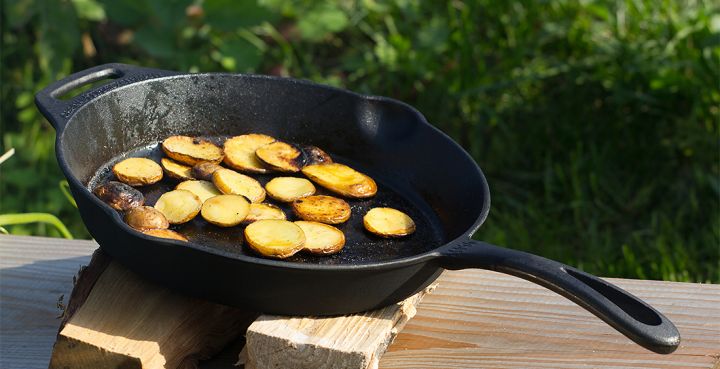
{"points": [[388, 264]]}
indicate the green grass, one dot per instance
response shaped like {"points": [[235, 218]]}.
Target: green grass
{"points": [[596, 122]]}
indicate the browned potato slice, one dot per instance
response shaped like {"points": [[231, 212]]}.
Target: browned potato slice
{"points": [[281, 156], [240, 152], [275, 238], [264, 211], [289, 189], [202, 189], [146, 217], [175, 170], [225, 210], [204, 170], [138, 171], [341, 179], [165, 233], [191, 150], [119, 195], [233, 183], [323, 209], [179, 206], [314, 155], [321, 238], [388, 222]]}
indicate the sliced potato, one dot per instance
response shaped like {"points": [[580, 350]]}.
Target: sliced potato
{"points": [[119, 195], [341, 179], [225, 210], [323, 209], [240, 152], [204, 170], [233, 183], [289, 189], [321, 238], [314, 155], [281, 156], [179, 206], [191, 150], [264, 211], [202, 189], [175, 170], [146, 217], [165, 233], [388, 222], [275, 238], [138, 171]]}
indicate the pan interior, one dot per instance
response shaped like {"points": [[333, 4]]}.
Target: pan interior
{"points": [[360, 247]]}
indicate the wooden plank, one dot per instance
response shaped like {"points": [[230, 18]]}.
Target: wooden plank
{"points": [[117, 319], [473, 319], [484, 319], [350, 342]]}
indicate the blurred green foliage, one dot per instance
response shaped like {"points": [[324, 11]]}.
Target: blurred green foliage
{"points": [[595, 121]]}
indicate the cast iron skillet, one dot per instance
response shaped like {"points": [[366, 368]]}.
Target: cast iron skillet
{"points": [[418, 165]]}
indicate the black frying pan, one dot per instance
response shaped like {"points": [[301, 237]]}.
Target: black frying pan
{"points": [[419, 169]]}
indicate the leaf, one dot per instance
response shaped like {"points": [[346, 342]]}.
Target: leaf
{"points": [[89, 9], [156, 41], [59, 37], [245, 56], [321, 21], [126, 12], [229, 15], [18, 12]]}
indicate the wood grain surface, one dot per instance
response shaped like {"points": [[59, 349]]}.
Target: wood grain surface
{"points": [[474, 319]]}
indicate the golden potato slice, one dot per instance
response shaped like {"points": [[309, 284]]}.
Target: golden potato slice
{"points": [[240, 152], [119, 195], [204, 170], [323, 209], [281, 156], [138, 171], [314, 155], [388, 222], [175, 170], [202, 189], [165, 233], [225, 210], [341, 179], [321, 238], [191, 150], [275, 238], [146, 217], [264, 211], [289, 189], [179, 206], [233, 183]]}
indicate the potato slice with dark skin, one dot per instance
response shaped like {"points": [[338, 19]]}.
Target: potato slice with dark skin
{"points": [[341, 179], [264, 211], [179, 206], [323, 209], [138, 171], [281, 156], [289, 189], [165, 233], [191, 150], [119, 195], [388, 222], [240, 152], [204, 170], [321, 239], [314, 155], [146, 217], [225, 210], [275, 238], [175, 170], [233, 183], [202, 189]]}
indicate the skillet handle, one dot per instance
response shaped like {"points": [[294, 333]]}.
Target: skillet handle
{"points": [[58, 111], [618, 308]]}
